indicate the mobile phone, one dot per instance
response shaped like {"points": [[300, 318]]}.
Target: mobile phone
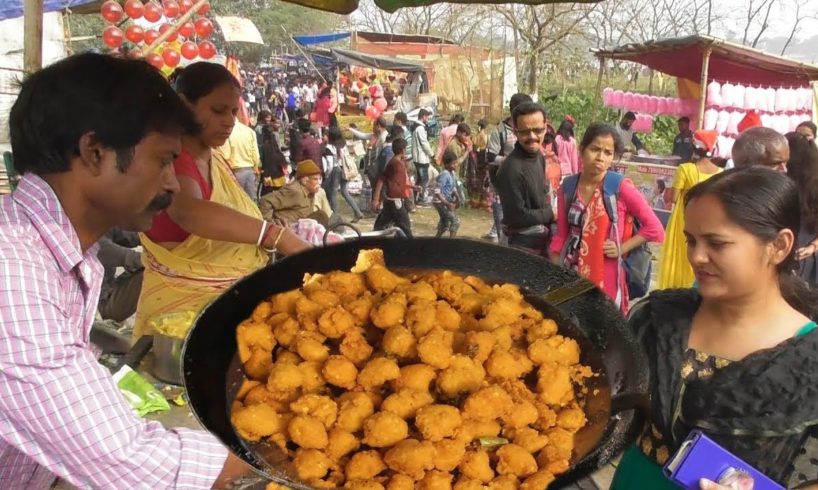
{"points": [[700, 457]]}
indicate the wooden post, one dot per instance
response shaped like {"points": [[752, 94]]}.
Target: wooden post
{"points": [[32, 35], [175, 26], [598, 93], [703, 89]]}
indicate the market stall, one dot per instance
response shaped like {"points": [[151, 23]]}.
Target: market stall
{"points": [[718, 83]]}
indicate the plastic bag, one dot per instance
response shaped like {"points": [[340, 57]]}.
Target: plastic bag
{"points": [[141, 395]]}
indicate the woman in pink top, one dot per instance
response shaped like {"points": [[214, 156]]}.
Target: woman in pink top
{"points": [[586, 241], [567, 149]]}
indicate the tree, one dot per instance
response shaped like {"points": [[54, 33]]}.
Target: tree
{"points": [[800, 16], [757, 15], [541, 27]]}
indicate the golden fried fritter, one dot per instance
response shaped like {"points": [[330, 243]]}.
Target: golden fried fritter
{"points": [[377, 372], [308, 432], [554, 349], [418, 291], [388, 313], [436, 480], [400, 482], [285, 377], [334, 322], [421, 317], [400, 342], [435, 348], [259, 364], [530, 439], [313, 379], [360, 308], [384, 429], [382, 280], [538, 481], [320, 407], [463, 375], [449, 453], [406, 403], [507, 364], [253, 335], [411, 457], [478, 345], [514, 460], [474, 429], [345, 284], [542, 330], [286, 331], [524, 413], [363, 485], [572, 418], [355, 347], [504, 482], [364, 465], [353, 409], [554, 384], [311, 464], [446, 317], [415, 377], [256, 421], [340, 443], [285, 302], [466, 483], [489, 403], [323, 297], [340, 371], [475, 465], [437, 422]]}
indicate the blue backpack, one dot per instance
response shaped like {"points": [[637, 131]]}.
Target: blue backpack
{"points": [[637, 264]]}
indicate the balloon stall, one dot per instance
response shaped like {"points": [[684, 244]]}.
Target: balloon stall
{"points": [[181, 37]]}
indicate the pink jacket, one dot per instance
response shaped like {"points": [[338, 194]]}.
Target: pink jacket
{"points": [[568, 155], [630, 203]]}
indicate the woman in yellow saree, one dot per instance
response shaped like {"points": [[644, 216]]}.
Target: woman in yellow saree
{"points": [[213, 234]]}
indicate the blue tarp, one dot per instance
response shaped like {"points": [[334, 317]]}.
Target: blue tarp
{"points": [[309, 39], [10, 9]]}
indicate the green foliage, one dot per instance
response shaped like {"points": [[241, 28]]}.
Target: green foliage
{"points": [[579, 103]]}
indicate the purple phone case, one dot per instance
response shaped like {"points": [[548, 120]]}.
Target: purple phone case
{"points": [[706, 459]]}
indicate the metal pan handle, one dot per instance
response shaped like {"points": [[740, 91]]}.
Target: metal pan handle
{"points": [[337, 225], [136, 353], [568, 292]]}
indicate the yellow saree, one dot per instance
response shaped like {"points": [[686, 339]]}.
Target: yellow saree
{"points": [[191, 275]]}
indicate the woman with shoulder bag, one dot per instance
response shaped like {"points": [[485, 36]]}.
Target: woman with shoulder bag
{"points": [[344, 168]]}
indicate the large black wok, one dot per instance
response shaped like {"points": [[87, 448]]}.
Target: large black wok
{"points": [[212, 372]]}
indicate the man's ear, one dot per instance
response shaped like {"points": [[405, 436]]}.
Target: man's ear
{"points": [[92, 153]]}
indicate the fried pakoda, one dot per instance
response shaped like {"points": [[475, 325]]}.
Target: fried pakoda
{"points": [[456, 360]]}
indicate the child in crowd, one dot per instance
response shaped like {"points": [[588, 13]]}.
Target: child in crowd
{"points": [[446, 196]]}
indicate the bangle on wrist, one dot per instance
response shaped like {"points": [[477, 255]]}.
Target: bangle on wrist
{"points": [[274, 249], [262, 232]]}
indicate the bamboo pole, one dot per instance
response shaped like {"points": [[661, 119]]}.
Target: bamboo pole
{"points": [[703, 88], [598, 92], [32, 35], [304, 54], [175, 26]]}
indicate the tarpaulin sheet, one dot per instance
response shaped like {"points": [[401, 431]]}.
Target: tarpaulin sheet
{"points": [[309, 39], [239, 29], [729, 62], [10, 9], [379, 62]]}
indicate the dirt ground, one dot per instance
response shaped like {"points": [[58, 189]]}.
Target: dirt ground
{"points": [[474, 223]]}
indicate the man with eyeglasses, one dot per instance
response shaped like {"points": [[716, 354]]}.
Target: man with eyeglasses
{"points": [[761, 146], [521, 183]]}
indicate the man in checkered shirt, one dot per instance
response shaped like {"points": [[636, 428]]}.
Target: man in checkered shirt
{"points": [[94, 138]]}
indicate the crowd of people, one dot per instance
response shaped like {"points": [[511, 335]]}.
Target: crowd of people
{"points": [[729, 337]]}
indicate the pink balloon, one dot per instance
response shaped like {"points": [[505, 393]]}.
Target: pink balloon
{"points": [[628, 102], [710, 118], [380, 104], [617, 99], [607, 97], [714, 93], [653, 104]]}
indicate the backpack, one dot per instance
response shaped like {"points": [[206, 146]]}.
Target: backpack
{"points": [[637, 264]]}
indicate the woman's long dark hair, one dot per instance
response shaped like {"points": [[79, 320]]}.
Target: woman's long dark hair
{"points": [[763, 202], [566, 130], [595, 130], [802, 167], [199, 79]]}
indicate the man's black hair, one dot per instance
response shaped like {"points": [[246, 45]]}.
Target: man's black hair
{"points": [[423, 112], [630, 116], [684, 119], [527, 108], [381, 122], [448, 158], [518, 99], [120, 101], [304, 125], [464, 128], [401, 118]]}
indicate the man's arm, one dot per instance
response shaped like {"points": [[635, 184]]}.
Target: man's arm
{"points": [[637, 142], [64, 410], [424, 143], [494, 146], [113, 255]]}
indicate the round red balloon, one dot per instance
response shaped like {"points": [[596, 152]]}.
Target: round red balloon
{"points": [[189, 50], [207, 50], [165, 28], [171, 9], [134, 9], [153, 12], [187, 29], [203, 27], [171, 57], [112, 37], [111, 11], [134, 34], [185, 5], [313, 117], [204, 9], [372, 112], [155, 60], [151, 35]]}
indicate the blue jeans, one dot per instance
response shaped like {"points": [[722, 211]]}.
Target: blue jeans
{"points": [[330, 184], [350, 199], [497, 212], [422, 170], [449, 221]]}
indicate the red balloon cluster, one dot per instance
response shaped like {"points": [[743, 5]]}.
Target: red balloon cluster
{"points": [[153, 12], [203, 26], [134, 9], [185, 5], [171, 57], [111, 11], [112, 37], [155, 60], [380, 104], [134, 34], [151, 35], [171, 9], [189, 50], [187, 30], [207, 50]]}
